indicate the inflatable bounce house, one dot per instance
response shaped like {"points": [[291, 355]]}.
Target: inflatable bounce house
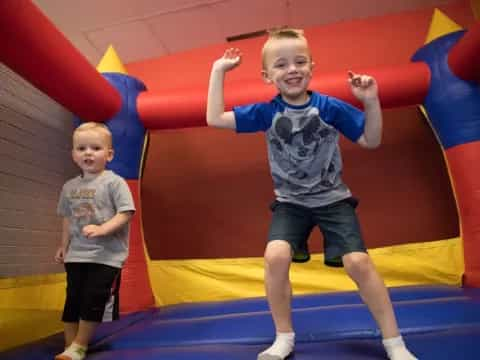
{"points": [[192, 287]]}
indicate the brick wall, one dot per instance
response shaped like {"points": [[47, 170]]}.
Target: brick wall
{"points": [[35, 161]]}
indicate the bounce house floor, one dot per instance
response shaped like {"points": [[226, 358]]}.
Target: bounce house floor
{"points": [[437, 322]]}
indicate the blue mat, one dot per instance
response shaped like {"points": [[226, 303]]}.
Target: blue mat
{"points": [[437, 322]]}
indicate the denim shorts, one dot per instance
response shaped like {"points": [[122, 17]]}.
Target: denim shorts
{"points": [[338, 223]]}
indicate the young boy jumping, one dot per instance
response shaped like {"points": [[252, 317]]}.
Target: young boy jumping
{"points": [[302, 129]]}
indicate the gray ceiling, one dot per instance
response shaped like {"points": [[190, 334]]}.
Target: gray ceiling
{"points": [[143, 29]]}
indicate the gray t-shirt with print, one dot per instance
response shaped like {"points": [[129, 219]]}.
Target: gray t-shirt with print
{"points": [[95, 201]]}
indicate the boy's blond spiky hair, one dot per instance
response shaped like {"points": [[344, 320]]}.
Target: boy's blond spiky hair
{"points": [[281, 33], [97, 127]]}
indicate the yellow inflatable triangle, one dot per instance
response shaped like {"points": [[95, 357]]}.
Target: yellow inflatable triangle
{"points": [[441, 25], [110, 62]]}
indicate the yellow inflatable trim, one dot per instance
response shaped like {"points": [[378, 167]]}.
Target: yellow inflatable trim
{"points": [[179, 281]]}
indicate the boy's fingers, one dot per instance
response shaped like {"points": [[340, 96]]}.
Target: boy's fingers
{"points": [[354, 79], [232, 53], [367, 81], [359, 80]]}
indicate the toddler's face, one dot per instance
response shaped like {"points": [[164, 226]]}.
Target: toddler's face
{"points": [[91, 151], [288, 66]]}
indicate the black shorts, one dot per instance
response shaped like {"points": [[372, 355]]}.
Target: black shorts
{"points": [[338, 223], [92, 292]]}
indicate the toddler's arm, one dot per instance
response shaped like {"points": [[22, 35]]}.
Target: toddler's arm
{"points": [[109, 226], [216, 115], [62, 249]]}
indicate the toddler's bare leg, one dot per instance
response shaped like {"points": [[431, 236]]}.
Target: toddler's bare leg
{"points": [[71, 329], [77, 348]]}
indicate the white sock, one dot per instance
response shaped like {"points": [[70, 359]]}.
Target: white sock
{"points": [[396, 349], [281, 347], [73, 352]]}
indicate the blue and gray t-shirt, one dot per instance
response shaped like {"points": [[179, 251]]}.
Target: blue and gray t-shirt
{"points": [[304, 154]]}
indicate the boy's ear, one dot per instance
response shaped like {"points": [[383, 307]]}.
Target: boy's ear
{"points": [[111, 154], [265, 77]]}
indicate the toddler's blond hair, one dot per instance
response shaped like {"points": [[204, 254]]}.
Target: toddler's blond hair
{"points": [[96, 127]]}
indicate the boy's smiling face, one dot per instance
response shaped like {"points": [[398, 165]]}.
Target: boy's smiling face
{"points": [[288, 65]]}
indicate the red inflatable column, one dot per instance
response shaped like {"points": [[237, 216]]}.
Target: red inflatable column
{"points": [[463, 162], [136, 292]]}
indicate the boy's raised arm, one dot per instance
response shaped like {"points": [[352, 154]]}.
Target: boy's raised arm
{"points": [[373, 124], [216, 114], [365, 89]]}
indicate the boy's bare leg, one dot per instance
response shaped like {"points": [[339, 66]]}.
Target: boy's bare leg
{"points": [[277, 284], [372, 291], [279, 294], [375, 295]]}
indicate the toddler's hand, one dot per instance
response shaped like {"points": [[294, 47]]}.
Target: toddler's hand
{"points": [[230, 59], [364, 87], [60, 255], [91, 231]]}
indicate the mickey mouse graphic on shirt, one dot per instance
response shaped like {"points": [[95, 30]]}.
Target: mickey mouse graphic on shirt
{"points": [[299, 145]]}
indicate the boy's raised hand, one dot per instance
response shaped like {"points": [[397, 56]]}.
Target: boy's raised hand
{"points": [[364, 87], [230, 59]]}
